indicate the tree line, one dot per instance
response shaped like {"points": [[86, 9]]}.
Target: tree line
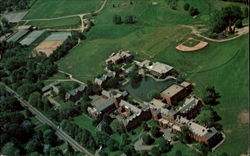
{"points": [[10, 5], [17, 133]]}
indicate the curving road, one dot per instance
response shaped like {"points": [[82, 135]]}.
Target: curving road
{"points": [[241, 31], [59, 132]]}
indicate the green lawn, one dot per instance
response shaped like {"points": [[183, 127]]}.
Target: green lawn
{"points": [[155, 36], [57, 8], [73, 22], [191, 43], [85, 122], [147, 89], [231, 82], [185, 150]]}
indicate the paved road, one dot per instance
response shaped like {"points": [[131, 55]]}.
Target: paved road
{"points": [[59, 132]]}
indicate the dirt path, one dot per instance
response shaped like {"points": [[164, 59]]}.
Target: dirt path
{"points": [[239, 33]]}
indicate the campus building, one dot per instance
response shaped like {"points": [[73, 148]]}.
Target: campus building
{"points": [[176, 92], [209, 136], [75, 94], [131, 116], [100, 81], [159, 70], [107, 102], [120, 57], [53, 86], [190, 108]]}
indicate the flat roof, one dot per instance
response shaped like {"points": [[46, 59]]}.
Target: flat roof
{"points": [[172, 90], [157, 103], [104, 104], [18, 35], [160, 67]]}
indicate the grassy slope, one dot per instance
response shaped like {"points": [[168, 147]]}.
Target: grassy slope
{"points": [[232, 83], [73, 22], [157, 35], [57, 8]]}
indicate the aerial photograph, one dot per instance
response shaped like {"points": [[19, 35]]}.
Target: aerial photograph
{"points": [[124, 78]]}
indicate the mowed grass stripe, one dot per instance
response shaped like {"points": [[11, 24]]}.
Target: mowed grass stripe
{"points": [[57, 8]]}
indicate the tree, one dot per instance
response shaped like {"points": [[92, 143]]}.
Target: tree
{"points": [[106, 128], [34, 154], [117, 126], [185, 135], [203, 148], [32, 146], [49, 137], [238, 23], [206, 117], [35, 99], [246, 12], [147, 139], [186, 6], [129, 19], [9, 149], [101, 138], [211, 96], [193, 11], [163, 145], [129, 150], [155, 151], [217, 24], [155, 131], [117, 19], [55, 151], [178, 153], [62, 92], [112, 144], [230, 15]]}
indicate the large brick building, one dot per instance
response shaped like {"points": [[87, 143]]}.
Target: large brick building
{"points": [[176, 92], [131, 116]]}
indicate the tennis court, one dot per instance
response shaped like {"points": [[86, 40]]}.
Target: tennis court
{"points": [[58, 36], [32, 37]]}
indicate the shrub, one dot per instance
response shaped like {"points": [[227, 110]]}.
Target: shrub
{"points": [[193, 11], [186, 6], [238, 23], [117, 19]]}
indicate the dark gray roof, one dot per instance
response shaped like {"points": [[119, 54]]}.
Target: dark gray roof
{"points": [[79, 89], [105, 104], [17, 36], [189, 104], [46, 88], [210, 133]]}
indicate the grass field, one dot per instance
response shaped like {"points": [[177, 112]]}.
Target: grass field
{"points": [[231, 82], [57, 8], [85, 122], [73, 22], [191, 43], [155, 36]]}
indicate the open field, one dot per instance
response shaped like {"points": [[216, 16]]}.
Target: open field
{"points": [[57, 8], [15, 17], [73, 22], [155, 36], [231, 82], [85, 122]]}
